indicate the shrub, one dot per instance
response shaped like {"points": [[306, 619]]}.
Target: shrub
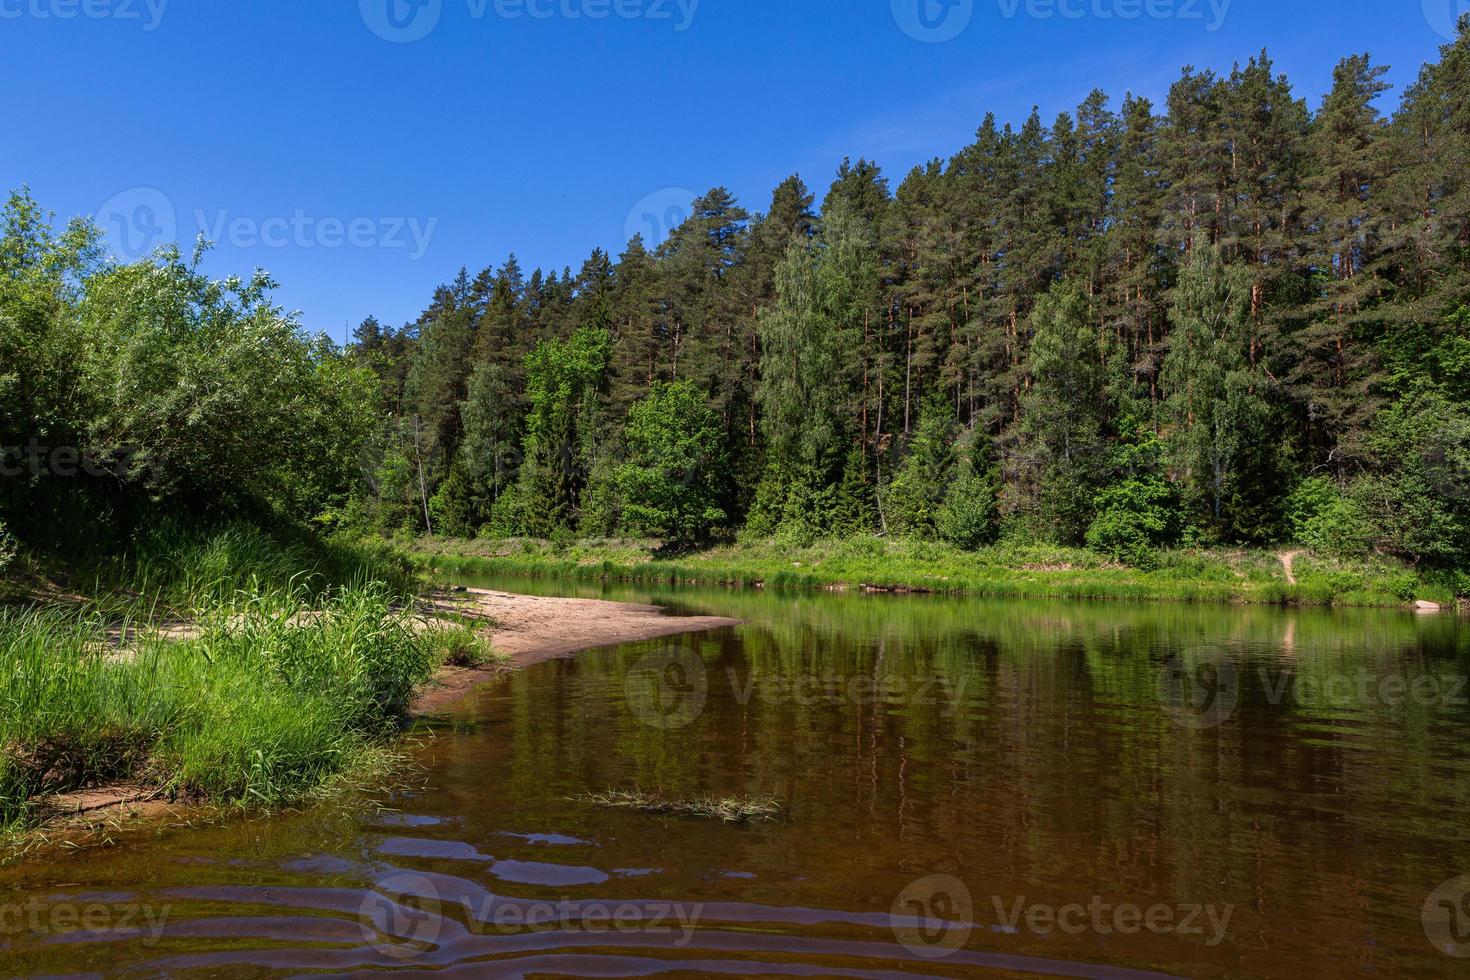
{"points": [[1134, 519], [1310, 498], [967, 517], [1341, 527], [670, 485], [918, 490], [1418, 498]]}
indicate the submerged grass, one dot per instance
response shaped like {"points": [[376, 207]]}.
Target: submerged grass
{"points": [[277, 695], [729, 809], [1011, 569]]}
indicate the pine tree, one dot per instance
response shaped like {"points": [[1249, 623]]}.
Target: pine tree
{"points": [[1335, 350], [1223, 442]]}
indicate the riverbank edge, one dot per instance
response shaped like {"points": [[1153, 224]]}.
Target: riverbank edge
{"points": [[522, 631], [1285, 583], [530, 630]]}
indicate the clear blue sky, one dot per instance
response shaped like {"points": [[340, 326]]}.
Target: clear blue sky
{"points": [[363, 171]]}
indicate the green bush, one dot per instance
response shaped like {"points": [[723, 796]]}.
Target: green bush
{"points": [[917, 494], [967, 518], [1341, 527], [669, 487], [1310, 498], [1134, 519], [1418, 496]]}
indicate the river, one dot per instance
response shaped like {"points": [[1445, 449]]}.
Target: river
{"points": [[965, 788]]}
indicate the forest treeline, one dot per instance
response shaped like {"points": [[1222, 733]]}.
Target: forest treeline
{"points": [[1229, 319], [1235, 318]]}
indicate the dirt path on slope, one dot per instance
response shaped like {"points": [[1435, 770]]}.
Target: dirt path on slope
{"points": [[1288, 562]]}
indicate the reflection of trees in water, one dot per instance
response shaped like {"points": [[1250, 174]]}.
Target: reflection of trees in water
{"points": [[1045, 761]]}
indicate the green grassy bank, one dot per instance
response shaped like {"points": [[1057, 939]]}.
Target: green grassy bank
{"points": [[236, 666], [1009, 569]]}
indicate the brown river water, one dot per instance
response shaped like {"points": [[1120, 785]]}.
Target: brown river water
{"points": [[966, 788]]}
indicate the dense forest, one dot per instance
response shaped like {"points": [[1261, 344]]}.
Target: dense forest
{"points": [[1230, 319]]}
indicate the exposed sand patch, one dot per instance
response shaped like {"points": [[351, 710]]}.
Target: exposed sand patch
{"points": [[532, 629]]}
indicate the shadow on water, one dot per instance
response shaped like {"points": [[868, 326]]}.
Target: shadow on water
{"points": [[967, 788]]}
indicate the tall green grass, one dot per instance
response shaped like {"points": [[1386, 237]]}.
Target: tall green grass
{"points": [[278, 693], [181, 568]]}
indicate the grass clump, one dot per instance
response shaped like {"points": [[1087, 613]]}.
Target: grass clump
{"points": [[459, 645], [274, 698], [728, 809]]}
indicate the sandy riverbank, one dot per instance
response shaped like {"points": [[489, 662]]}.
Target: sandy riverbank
{"points": [[532, 629]]}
